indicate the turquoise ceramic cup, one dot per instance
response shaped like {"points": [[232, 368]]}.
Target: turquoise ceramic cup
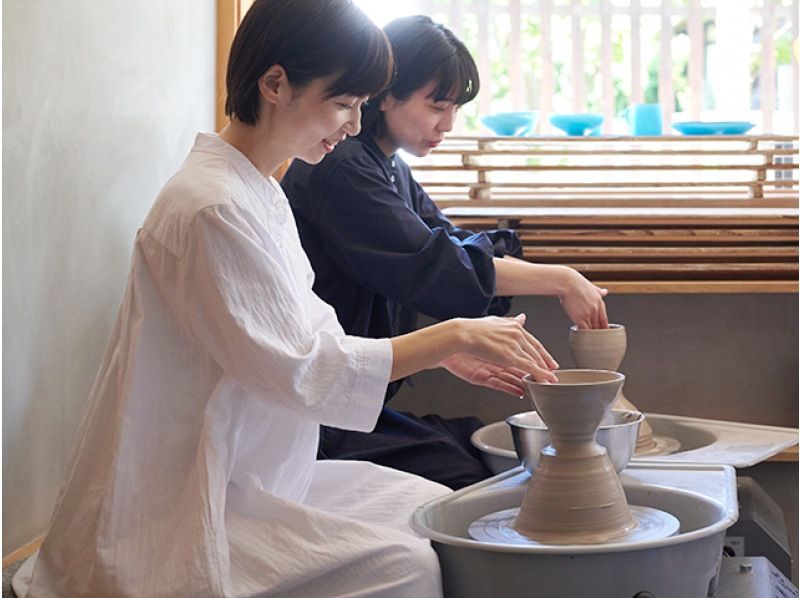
{"points": [[644, 119]]}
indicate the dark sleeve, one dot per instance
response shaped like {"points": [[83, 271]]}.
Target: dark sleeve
{"points": [[384, 245], [504, 241]]}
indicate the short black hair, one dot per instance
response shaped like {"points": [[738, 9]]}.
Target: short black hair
{"points": [[310, 39], [424, 51]]}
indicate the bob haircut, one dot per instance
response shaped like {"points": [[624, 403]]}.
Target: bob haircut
{"points": [[424, 51], [310, 39]]}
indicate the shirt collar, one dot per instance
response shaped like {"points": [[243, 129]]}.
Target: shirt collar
{"points": [[212, 143], [368, 140]]}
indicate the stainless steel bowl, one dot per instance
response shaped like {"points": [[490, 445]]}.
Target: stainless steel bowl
{"points": [[617, 433]]}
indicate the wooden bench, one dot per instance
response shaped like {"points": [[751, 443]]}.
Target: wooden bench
{"points": [[641, 215]]}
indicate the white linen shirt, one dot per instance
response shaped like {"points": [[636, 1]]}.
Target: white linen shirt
{"points": [[220, 368]]}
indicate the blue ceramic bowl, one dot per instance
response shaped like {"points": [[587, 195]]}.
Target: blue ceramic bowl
{"points": [[577, 124], [713, 128], [511, 124]]}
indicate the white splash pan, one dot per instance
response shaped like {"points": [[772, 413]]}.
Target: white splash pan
{"points": [[703, 441], [715, 441], [703, 497]]}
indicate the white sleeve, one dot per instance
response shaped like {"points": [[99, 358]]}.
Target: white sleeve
{"points": [[245, 310]]}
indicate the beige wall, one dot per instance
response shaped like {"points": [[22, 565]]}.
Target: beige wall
{"points": [[729, 357], [101, 102]]}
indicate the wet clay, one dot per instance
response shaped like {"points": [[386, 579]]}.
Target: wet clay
{"points": [[604, 349], [574, 495]]}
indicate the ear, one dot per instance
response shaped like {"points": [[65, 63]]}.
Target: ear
{"points": [[273, 83], [386, 101]]}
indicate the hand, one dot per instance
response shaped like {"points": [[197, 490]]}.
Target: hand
{"points": [[480, 372], [505, 342], [583, 302]]}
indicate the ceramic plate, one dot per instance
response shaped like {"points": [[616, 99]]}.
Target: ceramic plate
{"points": [[651, 524], [713, 128], [578, 124], [511, 124]]}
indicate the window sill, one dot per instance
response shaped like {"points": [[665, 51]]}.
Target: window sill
{"points": [[666, 214], [657, 249]]}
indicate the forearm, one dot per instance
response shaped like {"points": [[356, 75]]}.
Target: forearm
{"points": [[426, 348], [580, 298], [500, 342], [518, 277]]}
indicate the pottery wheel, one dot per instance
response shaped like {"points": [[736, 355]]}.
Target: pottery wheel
{"points": [[651, 524], [662, 445]]}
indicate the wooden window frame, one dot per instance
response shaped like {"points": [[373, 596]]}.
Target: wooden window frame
{"points": [[229, 15]]}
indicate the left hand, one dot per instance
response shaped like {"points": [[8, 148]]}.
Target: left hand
{"points": [[480, 372]]}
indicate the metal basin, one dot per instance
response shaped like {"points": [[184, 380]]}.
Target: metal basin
{"points": [[617, 434]]}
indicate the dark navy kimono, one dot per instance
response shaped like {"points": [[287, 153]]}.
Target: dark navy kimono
{"points": [[383, 252]]}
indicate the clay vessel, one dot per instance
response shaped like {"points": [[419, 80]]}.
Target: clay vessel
{"points": [[604, 349], [574, 495]]}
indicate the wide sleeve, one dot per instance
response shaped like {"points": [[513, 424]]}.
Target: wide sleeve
{"points": [[255, 320], [385, 246], [504, 241]]}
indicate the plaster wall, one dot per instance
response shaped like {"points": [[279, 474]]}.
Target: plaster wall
{"points": [[101, 103]]}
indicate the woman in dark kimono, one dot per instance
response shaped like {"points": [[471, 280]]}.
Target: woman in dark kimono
{"points": [[383, 252]]}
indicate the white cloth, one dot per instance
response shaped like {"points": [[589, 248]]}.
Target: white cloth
{"points": [[198, 448]]}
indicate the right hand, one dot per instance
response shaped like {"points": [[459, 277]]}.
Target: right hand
{"points": [[480, 372], [505, 341]]}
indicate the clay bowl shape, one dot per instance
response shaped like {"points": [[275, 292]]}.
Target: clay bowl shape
{"points": [[617, 433], [577, 124], [511, 124]]}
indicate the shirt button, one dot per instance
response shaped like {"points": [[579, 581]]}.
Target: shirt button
{"points": [[394, 163], [391, 178]]}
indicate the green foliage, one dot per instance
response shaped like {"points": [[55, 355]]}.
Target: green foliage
{"points": [[531, 69], [783, 50]]}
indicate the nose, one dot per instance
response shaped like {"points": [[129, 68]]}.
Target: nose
{"points": [[353, 125], [448, 119]]}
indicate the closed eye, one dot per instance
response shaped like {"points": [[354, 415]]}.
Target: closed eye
{"points": [[349, 102], [441, 106]]}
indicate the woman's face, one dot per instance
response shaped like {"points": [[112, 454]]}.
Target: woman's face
{"points": [[319, 123], [418, 124]]}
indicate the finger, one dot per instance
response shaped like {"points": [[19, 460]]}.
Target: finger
{"points": [[582, 322], [531, 349], [595, 317], [515, 372], [539, 354], [520, 359], [527, 363], [603, 316], [531, 340], [542, 375], [505, 387], [511, 379], [595, 314], [549, 360], [520, 318], [603, 292]]}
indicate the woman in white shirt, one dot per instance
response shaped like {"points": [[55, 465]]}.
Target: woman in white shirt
{"points": [[194, 472]]}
